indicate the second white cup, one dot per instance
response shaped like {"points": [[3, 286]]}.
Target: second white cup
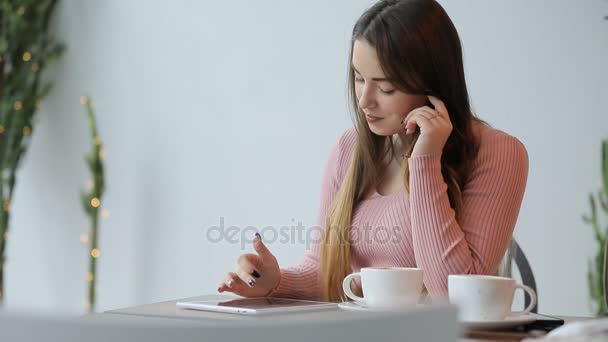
{"points": [[386, 287], [486, 298]]}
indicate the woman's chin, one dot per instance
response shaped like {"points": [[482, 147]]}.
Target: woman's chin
{"points": [[381, 131]]}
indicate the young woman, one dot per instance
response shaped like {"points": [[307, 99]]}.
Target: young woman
{"points": [[418, 182]]}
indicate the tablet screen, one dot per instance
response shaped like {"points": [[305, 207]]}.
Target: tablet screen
{"points": [[266, 303], [257, 305]]}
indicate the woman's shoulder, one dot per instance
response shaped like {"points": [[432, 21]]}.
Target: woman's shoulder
{"points": [[342, 151], [348, 139], [498, 145], [346, 142]]}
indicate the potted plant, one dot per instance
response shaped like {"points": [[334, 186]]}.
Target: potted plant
{"points": [[598, 266], [27, 47]]}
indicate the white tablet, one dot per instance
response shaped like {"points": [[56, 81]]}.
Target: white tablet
{"points": [[262, 305]]}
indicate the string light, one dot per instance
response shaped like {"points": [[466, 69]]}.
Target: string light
{"points": [[84, 238], [97, 154], [95, 253], [18, 105], [27, 130], [95, 202], [27, 56]]}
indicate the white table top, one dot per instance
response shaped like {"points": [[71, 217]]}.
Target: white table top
{"points": [[432, 322], [169, 310], [164, 311]]}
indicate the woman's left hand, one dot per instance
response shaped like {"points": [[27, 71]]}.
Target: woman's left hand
{"points": [[435, 127]]}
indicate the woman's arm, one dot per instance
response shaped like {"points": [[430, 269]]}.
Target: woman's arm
{"points": [[302, 281], [491, 201]]}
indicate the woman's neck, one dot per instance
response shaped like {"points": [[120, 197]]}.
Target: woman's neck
{"points": [[399, 142]]}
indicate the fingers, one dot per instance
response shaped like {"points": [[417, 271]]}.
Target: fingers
{"points": [[250, 268], [426, 117], [232, 283], [228, 280], [423, 116], [245, 277], [426, 109], [416, 120], [429, 113], [261, 249], [250, 264], [438, 104], [408, 128]]}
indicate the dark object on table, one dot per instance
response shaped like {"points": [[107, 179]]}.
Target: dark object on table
{"points": [[540, 327]]}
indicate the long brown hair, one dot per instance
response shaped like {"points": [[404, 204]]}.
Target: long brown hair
{"points": [[419, 50]]}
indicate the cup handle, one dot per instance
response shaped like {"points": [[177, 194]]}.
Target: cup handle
{"points": [[346, 286], [532, 294]]}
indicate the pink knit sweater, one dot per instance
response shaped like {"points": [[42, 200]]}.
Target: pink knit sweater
{"points": [[420, 230]]}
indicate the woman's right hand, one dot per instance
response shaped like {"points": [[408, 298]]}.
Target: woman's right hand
{"points": [[256, 274]]}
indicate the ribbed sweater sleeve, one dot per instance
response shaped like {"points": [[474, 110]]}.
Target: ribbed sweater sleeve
{"points": [[302, 281], [492, 198]]}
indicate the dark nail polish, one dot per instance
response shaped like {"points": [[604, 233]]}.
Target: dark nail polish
{"points": [[251, 282], [255, 274], [219, 289], [258, 236]]}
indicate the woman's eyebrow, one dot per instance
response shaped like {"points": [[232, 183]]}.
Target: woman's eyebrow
{"points": [[377, 79]]}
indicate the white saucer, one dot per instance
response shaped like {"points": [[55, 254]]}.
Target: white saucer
{"points": [[362, 306], [354, 306], [509, 322]]}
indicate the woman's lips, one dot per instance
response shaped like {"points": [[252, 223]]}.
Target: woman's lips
{"points": [[371, 118]]}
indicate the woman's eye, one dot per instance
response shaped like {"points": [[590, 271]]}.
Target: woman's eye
{"points": [[387, 92]]}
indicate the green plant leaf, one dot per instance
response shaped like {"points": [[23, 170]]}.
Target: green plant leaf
{"points": [[586, 219], [605, 165], [603, 201], [3, 46], [86, 202]]}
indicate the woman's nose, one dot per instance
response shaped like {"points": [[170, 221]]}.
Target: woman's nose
{"points": [[366, 100]]}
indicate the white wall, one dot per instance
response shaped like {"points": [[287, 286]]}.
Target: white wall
{"points": [[228, 109]]}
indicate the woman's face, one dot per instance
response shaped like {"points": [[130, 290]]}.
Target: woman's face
{"points": [[376, 96]]}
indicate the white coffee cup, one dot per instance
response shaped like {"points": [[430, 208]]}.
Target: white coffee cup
{"points": [[486, 298], [386, 287]]}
